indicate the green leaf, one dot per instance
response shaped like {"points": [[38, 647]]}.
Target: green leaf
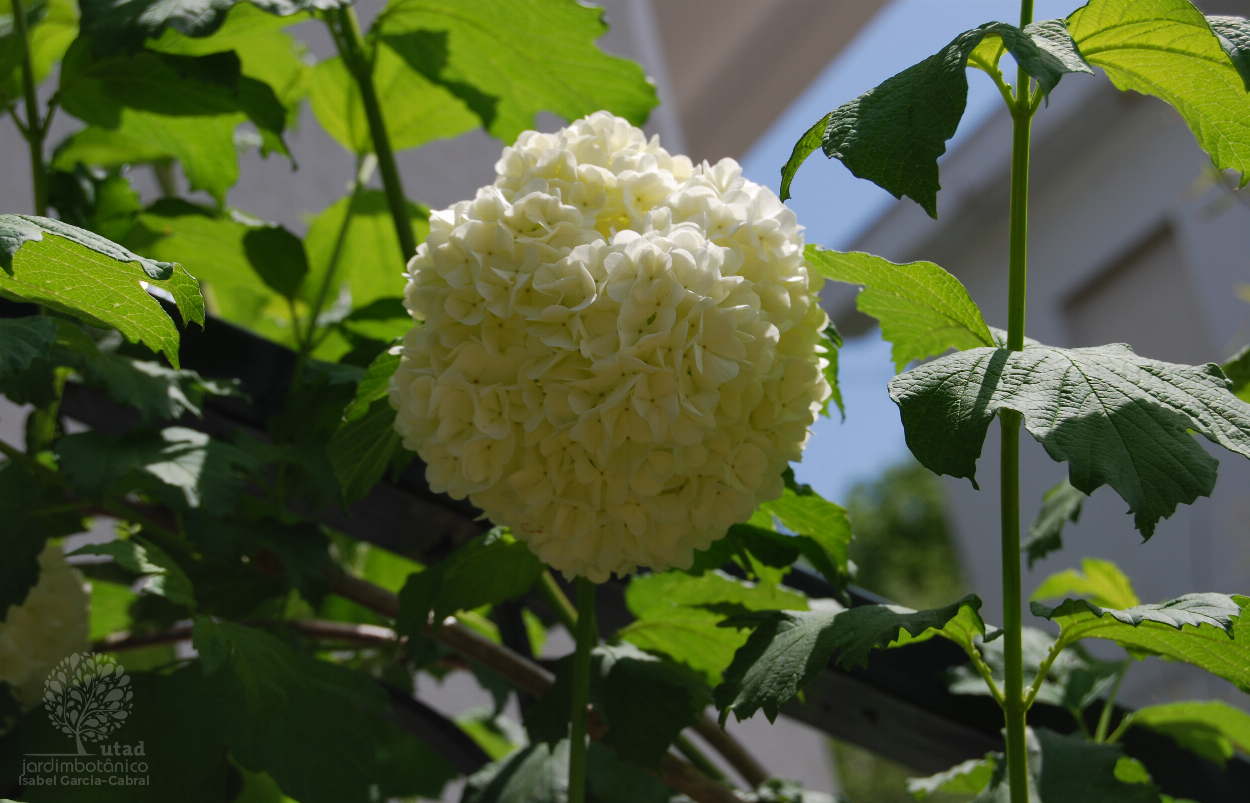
{"points": [[163, 105], [1167, 49], [213, 246], [73, 271], [1060, 504], [823, 531], [490, 569], [923, 310], [893, 135], [162, 575], [788, 649], [1206, 630], [279, 706], [429, 111], [644, 702], [1234, 36], [28, 508], [1211, 729], [96, 200], [831, 342], [124, 26], [182, 466], [537, 773], [22, 341], [156, 392], [1238, 371], [1116, 418], [967, 778], [407, 766], [677, 616], [301, 548], [52, 25], [110, 608], [278, 256], [1102, 582], [510, 59], [1069, 769], [369, 264], [363, 449], [1074, 681]]}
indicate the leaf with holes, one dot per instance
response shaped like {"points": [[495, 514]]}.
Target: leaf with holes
{"points": [[1116, 418], [71, 270]]}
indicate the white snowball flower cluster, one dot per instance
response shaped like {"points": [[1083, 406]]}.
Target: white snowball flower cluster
{"points": [[53, 622], [620, 350]]}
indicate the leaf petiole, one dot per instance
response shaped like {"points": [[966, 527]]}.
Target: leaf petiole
{"points": [[986, 674], [1104, 721]]}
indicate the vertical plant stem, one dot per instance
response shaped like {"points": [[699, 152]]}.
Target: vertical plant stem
{"points": [[352, 48], [35, 129], [1014, 706], [557, 601], [587, 639]]}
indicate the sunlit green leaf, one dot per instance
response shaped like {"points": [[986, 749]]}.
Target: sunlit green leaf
{"points": [[429, 111], [1206, 630], [74, 271], [1060, 504], [110, 608], [1166, 48], [510, 59], [1209, 728], [365, 256], [923, 310], [1100, 580], [1238, 371], [893, 135], [967, 778], [824, 530], [52, 25], [1116, 418]]}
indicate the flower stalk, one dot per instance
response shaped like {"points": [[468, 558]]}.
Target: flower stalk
{"points": [[1013, 700], [351, 44], [587, 639], [35, 129]]}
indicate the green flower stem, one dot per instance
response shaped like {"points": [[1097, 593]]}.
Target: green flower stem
{"points": [[360, 64], [557, 601], [34, 129], [1014, 705], [587, 639], [1104, 721]]}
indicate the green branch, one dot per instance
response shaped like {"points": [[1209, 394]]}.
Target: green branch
{"points": [[346, 31], [587, 640], [34, 130]]}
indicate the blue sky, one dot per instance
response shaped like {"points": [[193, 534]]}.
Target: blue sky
{"points": [[835, 206]]}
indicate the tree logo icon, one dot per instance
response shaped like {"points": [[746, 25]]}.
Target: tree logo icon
{"points": [[88, 697]]}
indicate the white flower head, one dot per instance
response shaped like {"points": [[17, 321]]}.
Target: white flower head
{"points": [[618, 353]]}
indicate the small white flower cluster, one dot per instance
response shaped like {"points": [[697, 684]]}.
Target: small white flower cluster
{"points": [[620, 350], [53, 622]]}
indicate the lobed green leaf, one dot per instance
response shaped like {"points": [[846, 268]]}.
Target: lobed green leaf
{"points": [[1208, 728], [923, 310], [789, 648], [22, 341], [1116, 418], [507, 60], [1059, 505], [893, 135], [81, 274], [1100, 580], [1166, 48]]}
